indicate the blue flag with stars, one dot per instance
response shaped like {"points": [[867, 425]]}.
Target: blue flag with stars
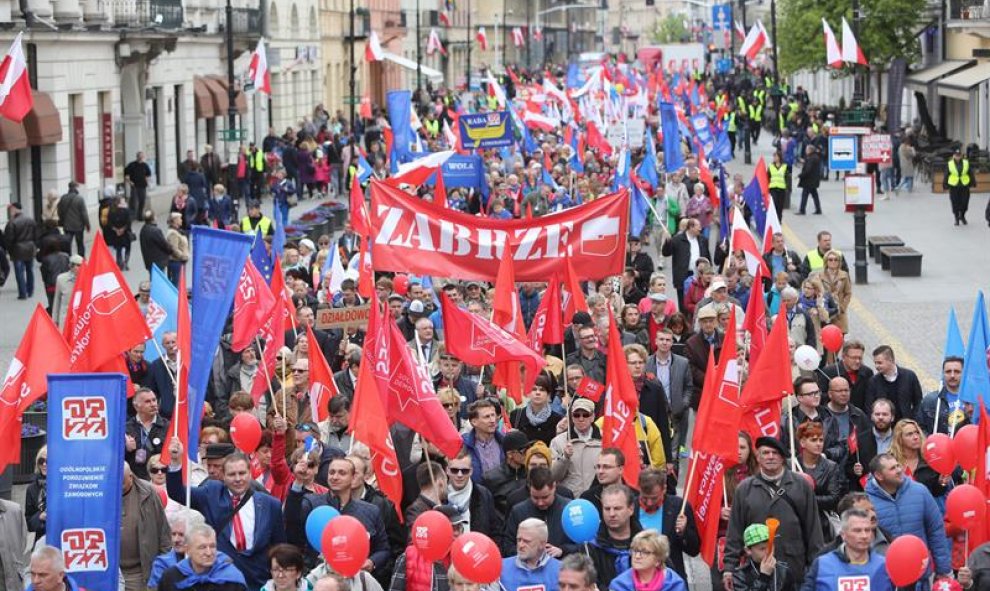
{"points": [[260, 257]]}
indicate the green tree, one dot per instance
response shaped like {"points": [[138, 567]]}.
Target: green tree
{"points": [[670, 30], [887, 30]]}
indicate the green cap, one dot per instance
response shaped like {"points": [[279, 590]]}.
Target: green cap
{"points": [[755, 534]]}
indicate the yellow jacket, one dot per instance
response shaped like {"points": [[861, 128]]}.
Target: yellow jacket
{"points": [[649, 441]]}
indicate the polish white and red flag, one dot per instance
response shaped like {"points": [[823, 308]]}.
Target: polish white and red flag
{"points": [[373, 49], [482, 38], [754, 42], [433, 43], [258, 69], [518, 39], [833, 55], [16, 100], [740, 30], [851, 51]]}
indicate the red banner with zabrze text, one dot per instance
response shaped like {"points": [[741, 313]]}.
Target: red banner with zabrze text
{"points": [[410, 235]]}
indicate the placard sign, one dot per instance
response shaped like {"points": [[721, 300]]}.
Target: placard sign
{"points": [[876, 148], [858, 191], [356, 317]]}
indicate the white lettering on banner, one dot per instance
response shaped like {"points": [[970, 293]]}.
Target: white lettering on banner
{"points": [[454, 239], [388, 467], [768, 428], [459, 166], [531, 588], [857, 583]]}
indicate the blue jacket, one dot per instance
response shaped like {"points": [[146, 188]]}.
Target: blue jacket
{"points": [[828, 568], [912, 511], [70, 584], [213, 500], [162, 563], [515, 574], [671, 581], [477, 474]]}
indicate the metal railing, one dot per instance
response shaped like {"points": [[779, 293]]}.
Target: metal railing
{"points": [[247, 21], [163, 14], [969, 9]]}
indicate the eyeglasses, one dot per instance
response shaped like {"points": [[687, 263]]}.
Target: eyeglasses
{"points": [[278, 570], [460, 471], [42, 461], [581, 415], [449, 404], [815, 393], [641, 552], [159, 470]]}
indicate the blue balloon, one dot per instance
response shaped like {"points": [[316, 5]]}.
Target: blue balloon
{"points": [[317, 522], [581, 521]]}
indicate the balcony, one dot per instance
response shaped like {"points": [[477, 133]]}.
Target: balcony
{"points": [[246, 22], [970, 16], [395, 22], [362, 24], [140, 14]]}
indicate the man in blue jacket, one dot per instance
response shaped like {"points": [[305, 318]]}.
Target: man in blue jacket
{"points": [[532, 567], [905, 507], [854, 559], [247, 523]]}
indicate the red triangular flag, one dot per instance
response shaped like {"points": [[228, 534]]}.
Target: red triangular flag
{"points": [[440, 190], [705, 497], [272, 335], [179, 426], [770, 378], [621, 407], [366, 273], [852, 441], [359, 210], [755, 321], [573, 296], [547, 326], [42, 351], [253, 304], [321, 385], [507, 315], [717, 428]]}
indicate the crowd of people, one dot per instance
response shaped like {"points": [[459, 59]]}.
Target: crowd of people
{"points": [[856, 433]]}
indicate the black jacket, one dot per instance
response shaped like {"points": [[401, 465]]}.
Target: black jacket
{"points": [[501, 482], [653, 403], [857, 394], [553, 518], [154, 248], [747, 577], [904, 392], [679, 248], [34, 504], [687, 543], [151, 445], [610, 556], [19, 237], [811, 172], [544, 432]]}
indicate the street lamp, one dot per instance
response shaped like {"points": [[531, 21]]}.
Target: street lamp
{"points": [[419, 54]]}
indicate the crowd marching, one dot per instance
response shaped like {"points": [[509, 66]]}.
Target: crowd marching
{"points": [[559, 465]]}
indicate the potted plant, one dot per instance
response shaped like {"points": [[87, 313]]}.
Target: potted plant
{"points": [[33, 437]]}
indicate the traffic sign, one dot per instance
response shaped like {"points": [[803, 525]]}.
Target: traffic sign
{"points": [[351, 100], [722, 17], [233, 135], [843, 152]]}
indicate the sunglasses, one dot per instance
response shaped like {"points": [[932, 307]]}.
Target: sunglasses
{"points": [[460, 471], [42, 461], [156, 470], [449, 404], [581, 414]]}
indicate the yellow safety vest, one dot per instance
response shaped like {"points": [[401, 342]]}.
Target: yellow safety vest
{"points": [[815, 260], [432, 127], [741, 102], [778, 176], [257, 161], [756, 112], [493, 103], [264, 224], [732, 122], [955, 176]]}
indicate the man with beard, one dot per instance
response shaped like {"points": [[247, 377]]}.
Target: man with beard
{"points": [[945, 402], [871, 442]]}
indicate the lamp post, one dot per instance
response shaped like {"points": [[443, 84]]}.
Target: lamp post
{"points": [[467, 72], [497, 50], [352, 84], [419, 54], [231, 92]]}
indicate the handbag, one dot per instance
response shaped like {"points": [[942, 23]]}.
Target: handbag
{"points": [[291, 200]]}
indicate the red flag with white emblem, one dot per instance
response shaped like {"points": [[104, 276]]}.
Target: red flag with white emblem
{"points": [[548, 326], [272, 335], [253, 303], [621, 407], [321, 385]]}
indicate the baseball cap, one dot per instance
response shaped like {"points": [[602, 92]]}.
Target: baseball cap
{"points": [[707, 312], [416, 307], [755, 534], [75, 260], [514, 440], [718, 284], [583, 404], [396, 296], [658, 297]]}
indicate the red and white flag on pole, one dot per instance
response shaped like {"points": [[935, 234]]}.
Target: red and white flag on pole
{"points": [[754, 42], [851, 51], [833, 56], [621, 407], [373, 49], [537, 34], [258, 69], [321, 385], [433, 43], [518, 39], [16, 100], [740, 30], [766, 35], [482, 38], [742, 239]]}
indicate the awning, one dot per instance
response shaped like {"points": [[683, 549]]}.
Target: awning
{"points": [[920, 79], [43, 126], [958, 85], [240, 101], [12, 136], [204, 99], [220, 99], [431, 74]]}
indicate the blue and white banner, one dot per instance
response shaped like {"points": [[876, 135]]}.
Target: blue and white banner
{"points": [[465, 171], [161, 315], [399, 104], [218, 259], [703, 131], [486, 130], [86, 414]]}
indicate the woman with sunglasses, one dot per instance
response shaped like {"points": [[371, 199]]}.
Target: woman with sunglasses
{"points": [[156, 474], [35, 500], [451, 401]]}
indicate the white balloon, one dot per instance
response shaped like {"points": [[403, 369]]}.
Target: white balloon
{"points": [[807, 358]]}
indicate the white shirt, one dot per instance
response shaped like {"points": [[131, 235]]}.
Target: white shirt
{"points": [[247, 523], [695, 250]]}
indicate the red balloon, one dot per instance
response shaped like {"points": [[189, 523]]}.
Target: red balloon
{"points": [[477, 557], [966, 507], [966, 446], [832, 337], [245, 430], [907, 560], [433, 534], [400, 283], [938, 453], [346, 545]]}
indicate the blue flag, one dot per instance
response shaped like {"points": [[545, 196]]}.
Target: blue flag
{"points": [[574, 78], [621, 178], [399, 104], [364, 170], [162, 307], [218, 259], [723, 202], [638, 210], [723, 147], [648, 167], [261, 259], [976, 376], [278, 240], [953, 338], [529, 144], [673, 159], [753, 197], [86, 415]]}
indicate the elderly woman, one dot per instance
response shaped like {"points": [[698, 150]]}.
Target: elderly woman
{"points": [[35, 500], [829, 481], [537, 419], [178, 522], [288, 570], [836, 283], [907, 446], [648, 552]]}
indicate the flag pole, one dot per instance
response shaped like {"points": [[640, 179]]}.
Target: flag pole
{"points": [[938, 409], [285, 379], [690, 480], [790, 427], [178, 369], [268, 377]]}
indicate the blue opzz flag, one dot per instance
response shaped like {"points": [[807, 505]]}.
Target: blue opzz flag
{"points": [[86, 414], [976, 376], [648, 167], [399, 103], [162, 307], [673, 158], [218, 259]]}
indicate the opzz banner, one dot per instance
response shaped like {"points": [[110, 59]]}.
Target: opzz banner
{"points": [[486, 130], [85, 472]]}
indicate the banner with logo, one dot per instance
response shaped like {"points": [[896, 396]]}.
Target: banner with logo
{"points": [[86, 414], [485, 130], [465, 170], [163, 303], [410, 235]]}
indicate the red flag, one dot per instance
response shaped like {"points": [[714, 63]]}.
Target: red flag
{"points": [[573, 295], [367, 426], [590, 389], [258, 72], [106, 317], [597, 141], [547, 326], [476, 341], [272, 334], [762, 420], [321, 385], [359, 211], [717, 427], [621, 407], [440, 190], [42, 351], [770, 378], [852, 441], [253, 303], [706, 178], [506, 314], [366, 274], [705, 496], [755, 321], [406, 386], [16, 99], [982, 481], [179, 426]]}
